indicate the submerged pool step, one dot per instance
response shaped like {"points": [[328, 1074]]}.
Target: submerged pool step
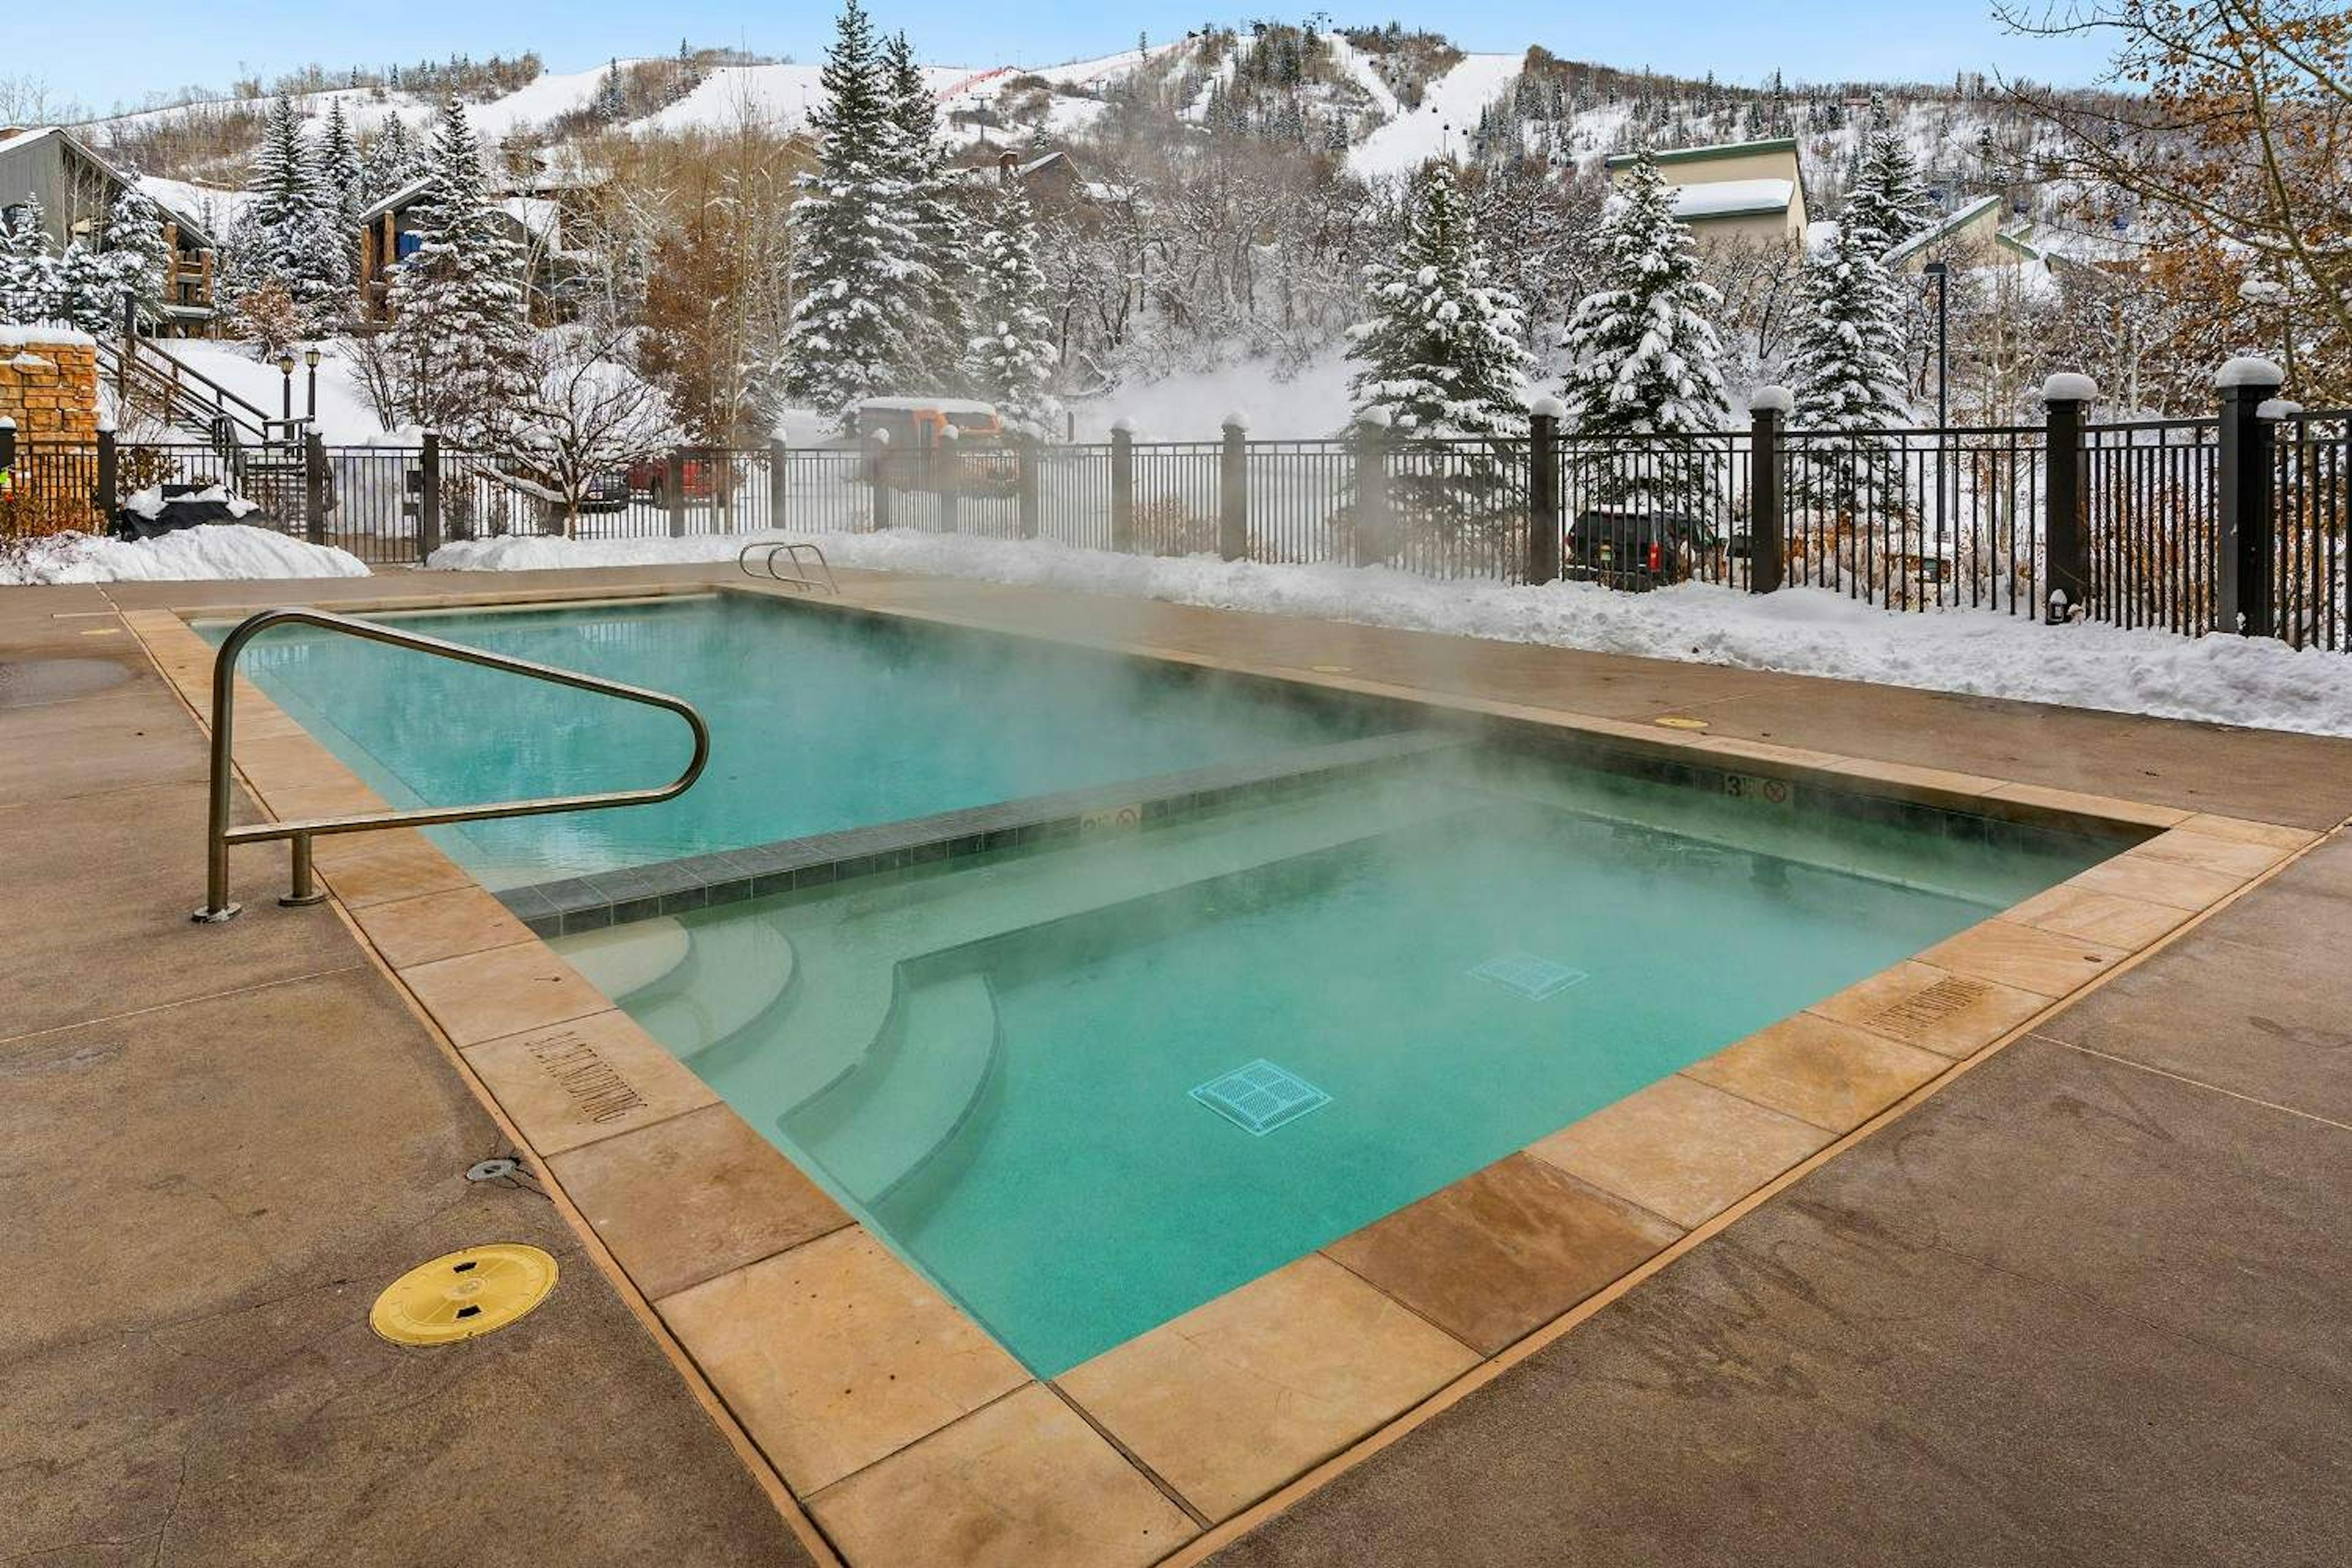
{"points": [[689, 988], [905, 1102]]}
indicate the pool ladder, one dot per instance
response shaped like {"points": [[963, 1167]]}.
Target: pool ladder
{"points": [[800, 555], [219, 835]]}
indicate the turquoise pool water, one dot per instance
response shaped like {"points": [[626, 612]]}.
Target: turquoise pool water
{"points": [[995, 1065], [820, 722]]}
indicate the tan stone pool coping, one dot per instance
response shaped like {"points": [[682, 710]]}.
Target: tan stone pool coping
{"points": [[900, 1425]]}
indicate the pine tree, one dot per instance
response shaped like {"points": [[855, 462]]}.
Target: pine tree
{"points": [[288, 234], [391, 164], [29, 272], [1889, 199], [861, 286], [1847, 378], [336, 169], [1643, 352], [87, 297], [1010, 359], [1439, 352], [460, 325], [137, 257], [942, 235]]}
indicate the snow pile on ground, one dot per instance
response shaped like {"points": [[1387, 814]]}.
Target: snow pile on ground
{"points": [[150, 502], [221, 550], [1803, 631]]}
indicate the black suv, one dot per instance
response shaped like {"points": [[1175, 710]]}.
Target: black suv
{"points": [[1633, 550]]}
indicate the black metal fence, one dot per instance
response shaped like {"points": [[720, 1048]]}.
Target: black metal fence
{"points": [[2236, 522]]}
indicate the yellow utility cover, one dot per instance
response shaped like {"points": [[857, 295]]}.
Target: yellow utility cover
{"points": [[462, 1294], [1676, 721]]}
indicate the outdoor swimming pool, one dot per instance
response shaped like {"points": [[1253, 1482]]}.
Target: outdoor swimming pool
{"points": [[820, 721], [1094, 1078]]}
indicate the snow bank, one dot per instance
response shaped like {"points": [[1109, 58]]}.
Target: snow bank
{"points": [[1802, 631], [216, 551]]}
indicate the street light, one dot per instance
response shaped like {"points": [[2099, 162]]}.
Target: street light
{"points": [[285, 376], [310, 358]]}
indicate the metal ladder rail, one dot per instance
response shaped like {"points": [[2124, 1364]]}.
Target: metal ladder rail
{"points": [[768, 565], [220, 835]]}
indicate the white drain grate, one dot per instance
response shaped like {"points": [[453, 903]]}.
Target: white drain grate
{"points": [[1532, 977], [1260, 1097]]}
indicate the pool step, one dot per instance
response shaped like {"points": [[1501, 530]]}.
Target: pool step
{"points": [[902, 1105], [690, 987]]}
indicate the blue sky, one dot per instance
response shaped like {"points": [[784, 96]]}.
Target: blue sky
{"points": [[121, 51]]}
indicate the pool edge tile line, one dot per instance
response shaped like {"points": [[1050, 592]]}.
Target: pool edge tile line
{"points": [[596, 901]]}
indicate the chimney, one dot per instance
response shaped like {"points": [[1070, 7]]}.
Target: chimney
{"points": [[1005, 164]]}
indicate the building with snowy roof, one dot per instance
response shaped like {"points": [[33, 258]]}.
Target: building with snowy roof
{"points": [[1734, 192], [388, 234], [77, 189]]}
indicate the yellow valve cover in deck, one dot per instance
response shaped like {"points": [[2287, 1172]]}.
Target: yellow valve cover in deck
{"points": [[462, 1294]]}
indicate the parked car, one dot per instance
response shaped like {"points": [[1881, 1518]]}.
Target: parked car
{"points": [[915, 452], [1635, 549], [648, 478], [607, 491]]}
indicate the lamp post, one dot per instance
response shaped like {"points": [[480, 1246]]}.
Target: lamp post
{"points": [[311, 359], [285, 380]]}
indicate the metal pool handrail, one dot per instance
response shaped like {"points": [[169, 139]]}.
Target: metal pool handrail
{"points": [[219, 835], [795, 550]]}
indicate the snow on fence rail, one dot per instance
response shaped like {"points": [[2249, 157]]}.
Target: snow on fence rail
{"points": [[2236, 521]]}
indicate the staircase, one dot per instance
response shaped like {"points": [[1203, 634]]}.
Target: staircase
{"points": [[259, 454]]}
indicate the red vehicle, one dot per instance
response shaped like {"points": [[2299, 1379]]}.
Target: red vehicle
{"points": [[649, 478]]}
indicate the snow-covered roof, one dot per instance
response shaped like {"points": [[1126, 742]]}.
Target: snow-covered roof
{"points": [[398, 199], [1943, 228], [916, 405], [1731, 198], [1711, 152], [172, 210]]}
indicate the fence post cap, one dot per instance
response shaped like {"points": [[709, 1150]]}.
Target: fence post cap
{"points": [[1236, 420], [105, 425], [1122, 426], [2069, 386], [881, 437], [1772, 398], [1547, 407], [7, 423], [2248, 370], [2278, 408], [947, 432]]}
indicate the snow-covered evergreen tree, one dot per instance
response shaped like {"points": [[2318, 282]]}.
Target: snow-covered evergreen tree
{"points": [[87, 297], [1440, 351], [1010, 357], [1846, 377], [392, 162], [853, 327], [942, 234], [288, 234], [28, 271], [460, 323], [1642, 351], [137, 257], [1889, 198], [337, 172]]}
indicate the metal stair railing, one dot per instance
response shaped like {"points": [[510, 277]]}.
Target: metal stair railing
{"points": [[220, 835], [799, 553]]}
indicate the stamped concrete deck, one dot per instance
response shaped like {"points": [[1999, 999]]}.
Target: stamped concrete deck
{"points": [[2074, 1307]]}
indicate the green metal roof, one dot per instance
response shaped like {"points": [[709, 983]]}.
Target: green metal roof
{"points": [[1710, 154]]}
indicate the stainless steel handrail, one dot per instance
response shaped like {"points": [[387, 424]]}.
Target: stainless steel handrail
{"points": [[795, 550], [220, 835]]}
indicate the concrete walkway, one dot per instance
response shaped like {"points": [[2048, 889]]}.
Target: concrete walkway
{"points": [[2086, 1305], [217, 1145]]}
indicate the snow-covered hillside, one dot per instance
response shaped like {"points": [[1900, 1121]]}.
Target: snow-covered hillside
{"points": [[1441, 125]]}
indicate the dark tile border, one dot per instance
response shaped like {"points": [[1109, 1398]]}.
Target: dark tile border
{"points": [[671, 887]]}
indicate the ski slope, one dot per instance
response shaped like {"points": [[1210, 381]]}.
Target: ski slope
{"points": [[1440, 127]]}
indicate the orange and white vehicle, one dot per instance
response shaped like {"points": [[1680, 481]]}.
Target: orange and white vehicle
{"points": [[912, 448]]}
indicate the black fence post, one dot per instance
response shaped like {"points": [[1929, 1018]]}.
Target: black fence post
{"points": [[2245, 592], [1233, 490], [1122, 484], [1543, 490], [2066, 546], [1029, 452], [314, 488], [779, 471], [881, 486], [1373, 542], [1767, 524], [108, 495], [428, 498], [674, 490]]}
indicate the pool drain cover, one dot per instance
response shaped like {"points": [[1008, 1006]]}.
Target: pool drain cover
{"points": [[1532, 977], [1260, 1097], [462, 1294]]}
